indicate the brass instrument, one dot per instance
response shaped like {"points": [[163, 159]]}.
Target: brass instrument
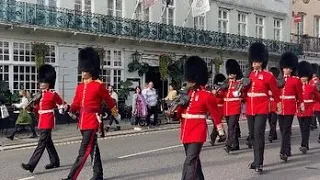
{"points": [[182, 100]]}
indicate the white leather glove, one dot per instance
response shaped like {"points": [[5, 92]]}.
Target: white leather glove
{"points": [[236, 93]]}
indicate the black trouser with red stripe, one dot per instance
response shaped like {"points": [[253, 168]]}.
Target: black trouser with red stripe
{"points": [[45, 142], [192, 166], [89, 145], [285, 124], [273, 118], [304, 123], [233, 126]]}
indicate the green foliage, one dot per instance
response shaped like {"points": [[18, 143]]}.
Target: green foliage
{"points": [[40, 50], [218, 61], [176, 69], [164, 62], [124, 91], [142, 68]]}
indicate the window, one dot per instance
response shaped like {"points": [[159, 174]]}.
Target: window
{"points": [[51, 56], [243, 65], [199, 22], [4, 51], [277, 23], [115, 8], [259, 27], [22, 52], [82, 5], [300, 25], [223, 21], [78, 5], [316, 27], [25, 77], [242, 24], [50, 3], [4, 73], [168, 15], [142, 13]]}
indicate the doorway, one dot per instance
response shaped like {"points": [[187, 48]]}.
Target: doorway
{"points": [[161, 86]]}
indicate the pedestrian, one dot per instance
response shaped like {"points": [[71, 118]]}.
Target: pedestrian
{"points": [[257, 101], [193, 116], [273, 117], [87, 101], [316, 107], [151, 97], [219, 84], [24, 117], [291, 99], [232, 98], [310, 96], [139, 107], [114, 96], [44, 107]]}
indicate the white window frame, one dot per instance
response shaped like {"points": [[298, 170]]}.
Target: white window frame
{"points": [[300, 25], [50, 3], [242, 25], [142, 13], [166, 19], [83, 6], [197, 22], [277, 29], [11, 63], [113, 11], [222, 20], [260, 27], [317, 26]]}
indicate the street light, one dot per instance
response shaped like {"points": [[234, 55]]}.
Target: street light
{"points": [[136, 56]]}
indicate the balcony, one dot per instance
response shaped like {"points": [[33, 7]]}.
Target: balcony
{"points": [[310, 44], [31, 15]]}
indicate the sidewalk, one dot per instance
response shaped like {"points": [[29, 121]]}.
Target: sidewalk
{"points": [[65, 133]]}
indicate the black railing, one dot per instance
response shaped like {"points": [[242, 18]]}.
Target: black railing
{"points": [[33, 15], [310, 44]]}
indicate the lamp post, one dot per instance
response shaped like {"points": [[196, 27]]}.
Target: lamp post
{"points": [[136, 56]]}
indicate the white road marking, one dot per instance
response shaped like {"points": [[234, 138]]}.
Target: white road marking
{"points": [[31, 177], [150, 151]]}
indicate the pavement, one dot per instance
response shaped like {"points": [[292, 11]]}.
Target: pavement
{"points": [[159, 155]]}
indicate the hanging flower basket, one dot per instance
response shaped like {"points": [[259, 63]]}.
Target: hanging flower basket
{"points": [[39, 50], [164, 62]]}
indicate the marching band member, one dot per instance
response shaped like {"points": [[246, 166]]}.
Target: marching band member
{"points": [[193, 116], [273, 117], [44, 107], [291, 97], [219, 84], [316, 108], [232, 104], [257, 101], [88, 98], [310, 95]]}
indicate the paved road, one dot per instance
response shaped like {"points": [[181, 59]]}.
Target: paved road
{"points": [[159, 156]]}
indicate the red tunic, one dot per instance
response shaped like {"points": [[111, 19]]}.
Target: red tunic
{"points": [[219, 98], [87, 101], [232, 104], [272, 103], [45, 109], [291, 95], [257, 97], [310, 96], [316, 106], [193, 118]]}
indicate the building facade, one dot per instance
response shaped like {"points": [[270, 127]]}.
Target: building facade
{"points": [[305, 28], [226, 31]]}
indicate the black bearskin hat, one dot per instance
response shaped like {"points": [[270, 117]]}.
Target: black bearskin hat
{"points": [[258, 52], [315, 69], [196, 71], [89, 61], [47, 74], [275, 71], [305, 69], [289, 60], [218, 79], [233, 67]]}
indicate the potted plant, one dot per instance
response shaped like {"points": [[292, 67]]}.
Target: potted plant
{"points": [[39, 50], [123, 94]]}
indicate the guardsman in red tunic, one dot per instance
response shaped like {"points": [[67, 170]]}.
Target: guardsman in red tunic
{"points": [[257, 101], [291, 98], [87, 101], [232, 104], [219, 82], [310, 96], [44, 108], [316, 108], [193, 116], [273, 117]]}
